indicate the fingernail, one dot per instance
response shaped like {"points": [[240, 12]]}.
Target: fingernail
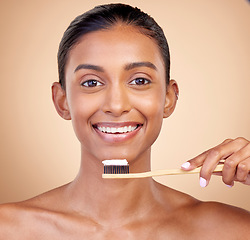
{"points": [[230, 185], [203, 182], [185, 165]]}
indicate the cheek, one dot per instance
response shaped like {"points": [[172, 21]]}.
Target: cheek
{"points": [[83, 105], [152, 107], [81, 110]]}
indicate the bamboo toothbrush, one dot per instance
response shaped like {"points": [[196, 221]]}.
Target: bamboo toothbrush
{"points": [[120, 169]]}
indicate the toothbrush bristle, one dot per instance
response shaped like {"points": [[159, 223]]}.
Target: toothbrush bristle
{"points": [[112, 169], [116, 166]]}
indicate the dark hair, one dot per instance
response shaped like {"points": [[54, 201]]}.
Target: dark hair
{"points": [[105, 17]]}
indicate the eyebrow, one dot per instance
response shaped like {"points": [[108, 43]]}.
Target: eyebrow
{"points": [[140, 64], [89, 66], [127, 66]]}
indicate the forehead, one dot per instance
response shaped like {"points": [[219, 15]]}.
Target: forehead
{"points": [[118, 45]]}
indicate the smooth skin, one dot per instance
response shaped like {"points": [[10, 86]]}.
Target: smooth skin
{"points": [[116, 78]]}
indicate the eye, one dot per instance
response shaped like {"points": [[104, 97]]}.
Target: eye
{"points": [[91, 83], [140, 81]]}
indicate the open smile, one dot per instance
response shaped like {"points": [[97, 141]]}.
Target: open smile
{"points": [[117, 131]]}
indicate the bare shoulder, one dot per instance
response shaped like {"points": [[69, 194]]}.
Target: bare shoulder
{"points": [[218, 221], [20, 220], [190, 218], [207, 211], [225, 215], [13, 218]]}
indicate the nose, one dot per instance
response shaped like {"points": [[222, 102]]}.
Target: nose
{"points": [[116, 100]]}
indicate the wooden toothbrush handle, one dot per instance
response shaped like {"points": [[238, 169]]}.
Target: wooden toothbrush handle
{"points": [[158, 173]]}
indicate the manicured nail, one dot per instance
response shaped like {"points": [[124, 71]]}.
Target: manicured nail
{"points": [[203, 182], [230, 185], [185, 165]]}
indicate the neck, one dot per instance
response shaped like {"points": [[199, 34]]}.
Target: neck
{"points": [[106, 199]]}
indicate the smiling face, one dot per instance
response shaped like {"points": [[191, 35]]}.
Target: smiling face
{"points": [[115, 93]]}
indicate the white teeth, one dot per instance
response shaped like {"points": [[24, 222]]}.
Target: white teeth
{"points": [[117, 130]]}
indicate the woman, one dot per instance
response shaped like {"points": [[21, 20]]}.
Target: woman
{"points": [[114, 85]]}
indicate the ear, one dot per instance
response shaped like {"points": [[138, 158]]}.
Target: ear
{"points": [[171, 98], [60, 100]]}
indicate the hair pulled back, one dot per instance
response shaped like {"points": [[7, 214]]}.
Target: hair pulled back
{"points": [[106, 17]]}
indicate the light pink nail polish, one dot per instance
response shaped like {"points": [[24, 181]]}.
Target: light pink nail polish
{"points": [[203, 182], [185, 165], [232, 184]]}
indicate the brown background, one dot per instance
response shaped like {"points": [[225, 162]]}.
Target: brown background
{"points": [[210, 51]]}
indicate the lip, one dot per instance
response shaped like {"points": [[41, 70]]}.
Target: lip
{"points": [[117, 136]]}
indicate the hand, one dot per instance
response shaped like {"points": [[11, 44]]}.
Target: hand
{"points": [[235, 152]]}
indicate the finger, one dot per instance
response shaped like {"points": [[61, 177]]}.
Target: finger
{"points": [[199, 160], [243, 170], [194, 162], [236, 166], [222, 151], [213, 158]]}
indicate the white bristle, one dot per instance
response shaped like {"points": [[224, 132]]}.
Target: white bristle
{"points": [[115, 162]]}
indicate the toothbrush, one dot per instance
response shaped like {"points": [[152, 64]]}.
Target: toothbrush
{"points": [[117, 168]]}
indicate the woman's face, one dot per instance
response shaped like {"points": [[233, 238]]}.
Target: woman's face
{"points": [[116, 93]]}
